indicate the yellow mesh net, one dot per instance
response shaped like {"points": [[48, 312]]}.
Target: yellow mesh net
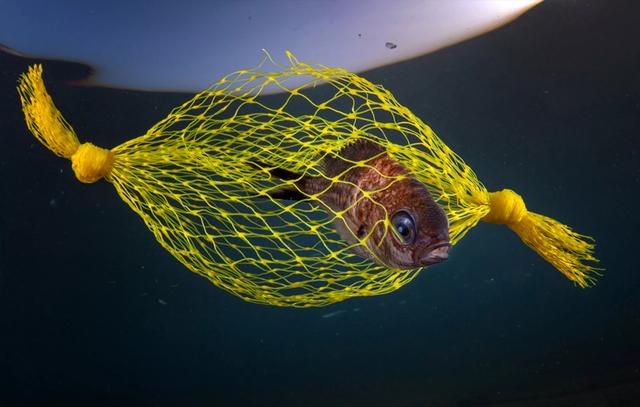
{"points": [[201, 179]]}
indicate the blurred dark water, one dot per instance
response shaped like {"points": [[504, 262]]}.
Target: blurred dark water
{"points": [[94, 310]]}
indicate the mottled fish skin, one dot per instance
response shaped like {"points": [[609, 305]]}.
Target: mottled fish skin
{"points": [[393, 190]]}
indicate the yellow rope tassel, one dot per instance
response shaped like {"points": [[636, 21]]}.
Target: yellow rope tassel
{"points": [[90, 163], [566, 250], [194, 181]]}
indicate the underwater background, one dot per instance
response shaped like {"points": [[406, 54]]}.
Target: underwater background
{"points": [[93, 310]]}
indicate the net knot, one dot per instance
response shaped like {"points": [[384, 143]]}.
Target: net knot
{"points": [[90, 162], [506, 208]]}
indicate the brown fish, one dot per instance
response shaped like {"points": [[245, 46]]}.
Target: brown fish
{"points": [[419, 234]]}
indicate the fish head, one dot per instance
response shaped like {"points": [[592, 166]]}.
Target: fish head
{"points": [[417, 232]]}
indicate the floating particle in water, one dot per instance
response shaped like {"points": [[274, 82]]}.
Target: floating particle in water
{"points": [[390, 45], [333, 314]]}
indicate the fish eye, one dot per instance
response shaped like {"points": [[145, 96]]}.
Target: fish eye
{"points": [[404, 226]]}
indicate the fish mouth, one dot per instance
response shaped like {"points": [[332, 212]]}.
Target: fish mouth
{"points": [[435, 254]]}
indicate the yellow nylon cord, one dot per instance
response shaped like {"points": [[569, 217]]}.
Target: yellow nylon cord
{"points": [[194, 181]]}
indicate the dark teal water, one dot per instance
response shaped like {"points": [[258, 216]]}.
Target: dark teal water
{"points": [[94, 310]]}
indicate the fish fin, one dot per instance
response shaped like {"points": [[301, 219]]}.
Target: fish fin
{"points": [[331, 165], [283, 174], [288, 194], [359, 150], [275, 172]]}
